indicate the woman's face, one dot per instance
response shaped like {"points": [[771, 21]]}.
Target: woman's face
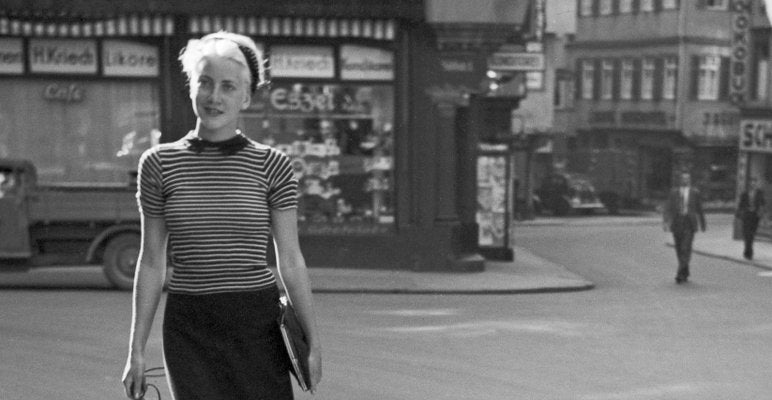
{"points": [[219, 91]]}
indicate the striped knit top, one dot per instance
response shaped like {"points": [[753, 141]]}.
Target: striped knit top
{"points": [[217, 211]]}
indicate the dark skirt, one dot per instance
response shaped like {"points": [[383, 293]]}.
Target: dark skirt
{"points": [[225, 346]]}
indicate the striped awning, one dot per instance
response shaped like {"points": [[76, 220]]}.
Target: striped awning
{"points": [[125, 25], [377, 29]]}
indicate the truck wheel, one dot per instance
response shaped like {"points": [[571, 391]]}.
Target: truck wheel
{"points": [[120, 260]]}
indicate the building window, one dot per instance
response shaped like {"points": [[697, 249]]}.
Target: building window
{"points": [[762, 81], [626, 81], [625, 6], [669, 78], [605, 7], [607, 80], [647, 79], [716, 4], [585, 8], [708, 78], [669, 4], [564, 94], [588, 79], [647, 5]]}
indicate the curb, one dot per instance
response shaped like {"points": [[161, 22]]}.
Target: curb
{"points": [[728, 258]]}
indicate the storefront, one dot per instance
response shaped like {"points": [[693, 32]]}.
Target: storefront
{"points": [[755, 158], [350, 102]]}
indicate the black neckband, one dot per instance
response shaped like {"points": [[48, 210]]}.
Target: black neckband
{"points": [[227, 147]]}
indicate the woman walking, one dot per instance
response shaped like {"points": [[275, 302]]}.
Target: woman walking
{"points": [[217, 196]]}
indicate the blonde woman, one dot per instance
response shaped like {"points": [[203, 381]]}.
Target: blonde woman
{"points": [[217, 195]]}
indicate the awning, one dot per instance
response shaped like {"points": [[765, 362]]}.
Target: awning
{"points": [[64, 26], [378, 29]]}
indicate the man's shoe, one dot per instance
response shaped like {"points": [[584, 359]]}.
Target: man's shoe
{"points": [[679, 280]]}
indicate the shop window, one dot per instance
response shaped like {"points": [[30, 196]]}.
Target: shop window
{"points": [[340, 139], [647, 79], [625, 6], [607, 80], [588, 79], [708, 77], [79, 131], [669, 79]]}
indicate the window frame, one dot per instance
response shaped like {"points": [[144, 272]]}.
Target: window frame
{"points": [[605, 7], [646, 5], [626, 79], [588, 79], [625, 6], [669, 78], [708, 77], [648, 69], [607, 79], [585, 8]]}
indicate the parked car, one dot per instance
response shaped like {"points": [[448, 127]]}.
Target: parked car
{"points": [[563, 193]]}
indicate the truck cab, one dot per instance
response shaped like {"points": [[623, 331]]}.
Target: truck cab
{"points": [[68, 224]]}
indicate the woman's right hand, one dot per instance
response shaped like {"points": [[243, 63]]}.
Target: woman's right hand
{"points": [[134, 377]]}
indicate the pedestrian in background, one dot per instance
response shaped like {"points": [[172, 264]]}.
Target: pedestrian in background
{"points": [[682, 216], [750, 209], [218, 196]]}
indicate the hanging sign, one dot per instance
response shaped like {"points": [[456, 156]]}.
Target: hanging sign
{"points": [[62, 56], [123, 58], [366, 63], [11, 56], [302, 62], [756, 135]]}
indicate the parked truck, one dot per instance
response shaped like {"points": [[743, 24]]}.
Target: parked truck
{"points": [[68, 224]]}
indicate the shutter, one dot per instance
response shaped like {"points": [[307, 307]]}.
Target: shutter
{"points": [[596, 84], [659, 75], [578, 81], [695, 78], [723, 83], [617, 79], [636, 89]]}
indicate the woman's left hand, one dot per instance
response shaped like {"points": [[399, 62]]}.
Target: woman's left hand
{"points": [[315, 367]]}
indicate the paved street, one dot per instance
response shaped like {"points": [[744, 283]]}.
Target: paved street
{"points": [[636, 335]]}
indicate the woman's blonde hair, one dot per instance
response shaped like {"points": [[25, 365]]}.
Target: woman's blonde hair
{"points": [[245, 52]]}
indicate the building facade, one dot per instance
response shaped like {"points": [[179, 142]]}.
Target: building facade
{"points": [[658, 89], [356, 101]]}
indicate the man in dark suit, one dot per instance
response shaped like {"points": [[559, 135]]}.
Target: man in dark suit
{"points": [[750, 210], [683, 215]]}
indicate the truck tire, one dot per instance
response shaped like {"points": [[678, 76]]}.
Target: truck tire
{"points": [[120, 260]]}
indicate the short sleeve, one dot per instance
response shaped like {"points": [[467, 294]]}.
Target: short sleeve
{"points": [[282, 184], [149, 187]]}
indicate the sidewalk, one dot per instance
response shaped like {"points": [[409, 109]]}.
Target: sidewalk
{"points": [[717, 242], [527, 274]]}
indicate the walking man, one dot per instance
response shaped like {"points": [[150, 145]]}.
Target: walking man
{"points": [[682, 216], [750, 209]]}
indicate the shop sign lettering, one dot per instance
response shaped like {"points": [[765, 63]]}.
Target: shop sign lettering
{"points": [[302, 62], [506, 61], [756, 136], [284, 99], [65, 93], [11, 53], [366, 63], [121, 58], [738, 70], [62, 56]]}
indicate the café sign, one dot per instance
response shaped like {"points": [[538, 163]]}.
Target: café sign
{"points": [[11, 56], [366, 63], [62, 56], [122, 58], [302, 62]]}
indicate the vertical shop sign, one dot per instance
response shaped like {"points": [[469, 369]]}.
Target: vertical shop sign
{"points": [[122, 58], [302, 62], [11, 53], [62, 56], [738, 70], [366, 63]]}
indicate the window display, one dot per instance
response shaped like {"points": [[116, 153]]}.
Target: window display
{"points": [[340, 139]]}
